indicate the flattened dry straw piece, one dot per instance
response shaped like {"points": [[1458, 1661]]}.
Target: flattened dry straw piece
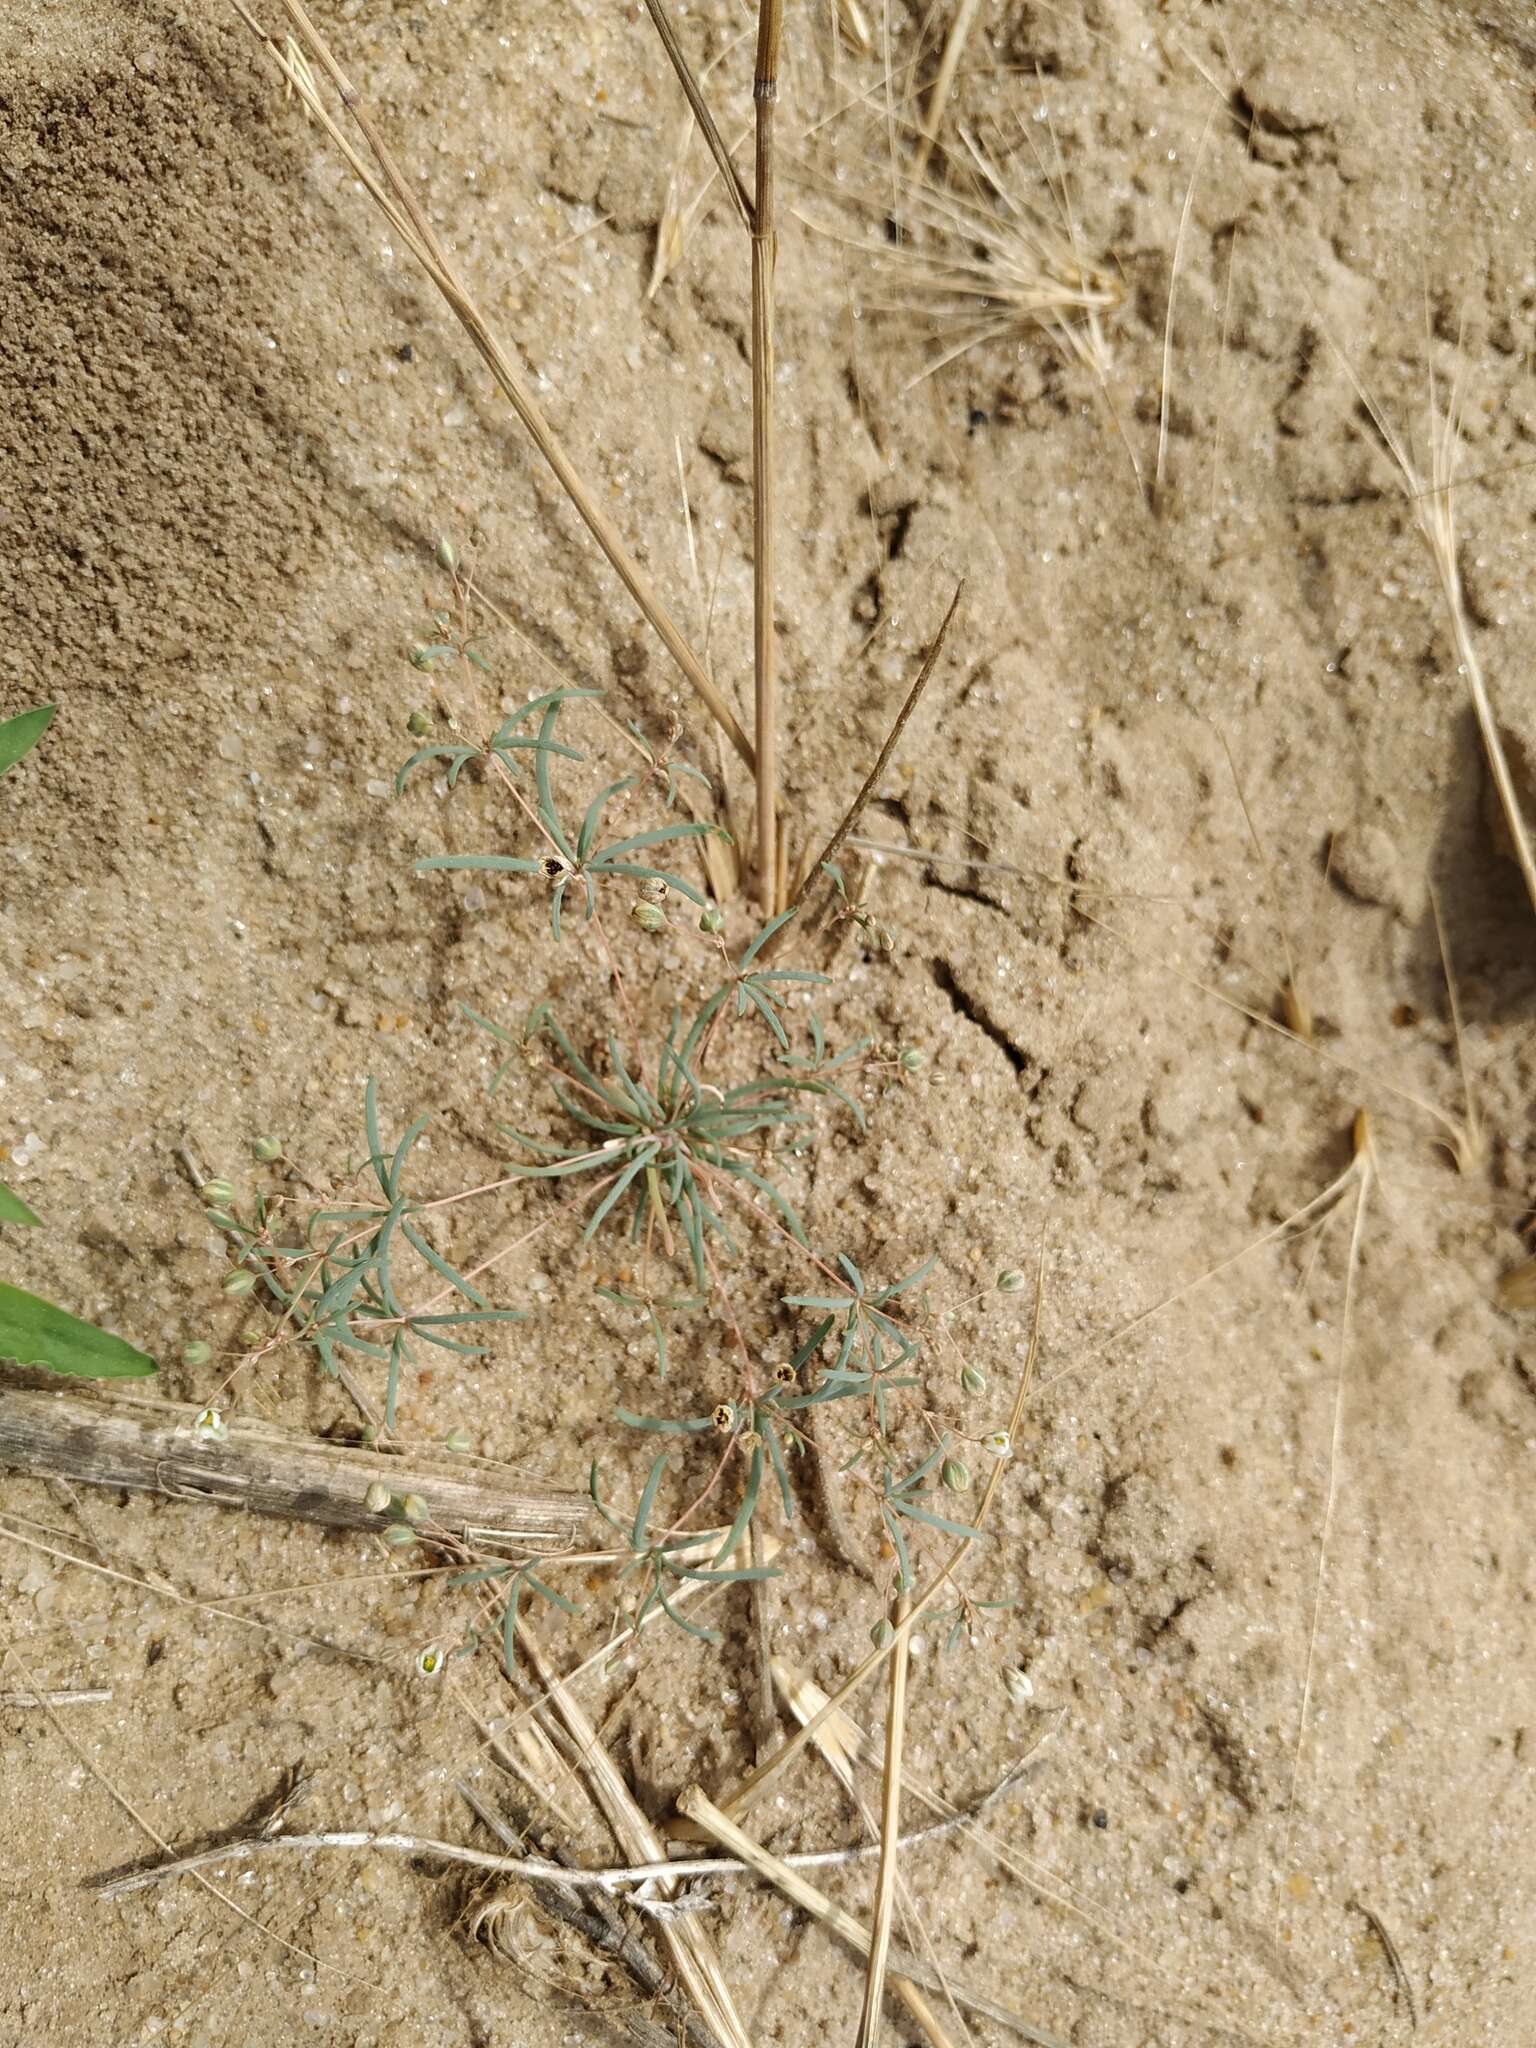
{"points": [[698, 1808], [390, 191], [691, 1949]]}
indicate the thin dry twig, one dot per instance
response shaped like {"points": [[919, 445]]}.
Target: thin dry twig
{"points": [[621, 1881]]}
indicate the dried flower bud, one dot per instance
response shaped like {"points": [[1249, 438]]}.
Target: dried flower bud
{"points": [[786, 1376], [654, 889], [724, 1418]]}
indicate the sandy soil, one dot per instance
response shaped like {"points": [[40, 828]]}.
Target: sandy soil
{"points": [[234, 424]]}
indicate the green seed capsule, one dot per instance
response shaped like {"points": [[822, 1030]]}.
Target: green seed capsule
{"points": [[218, 1194], [421, 657], [419, 724], [239, 1282], [974, 1380], [955, 1474], [378, 1497], [911, 1058], [196, 1353], [711, 920], [414, 1508], [267, 1149], [649, 916], [447, 555], [881, 1634], [398, 1536], [1011, 1281], [458, 1441], [252, 1335]]}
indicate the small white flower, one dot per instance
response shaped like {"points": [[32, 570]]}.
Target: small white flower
{"points": [[210, 1427], [1021, 1686], [430, 1661], [998, 1443]]}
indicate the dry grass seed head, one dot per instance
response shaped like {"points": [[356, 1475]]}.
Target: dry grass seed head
{"points": [[979, 261]]}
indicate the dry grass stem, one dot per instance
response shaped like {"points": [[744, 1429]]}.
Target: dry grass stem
{"points": [[890, 1829], [719, 1827], [66, 1696], [1469, 1147], [691, 1949], [392, 194], [1361, 1171], [1432, 500], [601, 1922], [662, 23], [882, 761], [765, 93], [943, 85]]}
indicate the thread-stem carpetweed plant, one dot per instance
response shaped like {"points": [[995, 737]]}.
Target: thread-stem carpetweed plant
{"points": [[681, 1111]]}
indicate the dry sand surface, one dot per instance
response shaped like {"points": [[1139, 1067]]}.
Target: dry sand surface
{"points": [[234, 423]]}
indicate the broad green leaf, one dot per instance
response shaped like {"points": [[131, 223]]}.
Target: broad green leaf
{"points": [[19, 735], [14, 1210], [34, 1332]]}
